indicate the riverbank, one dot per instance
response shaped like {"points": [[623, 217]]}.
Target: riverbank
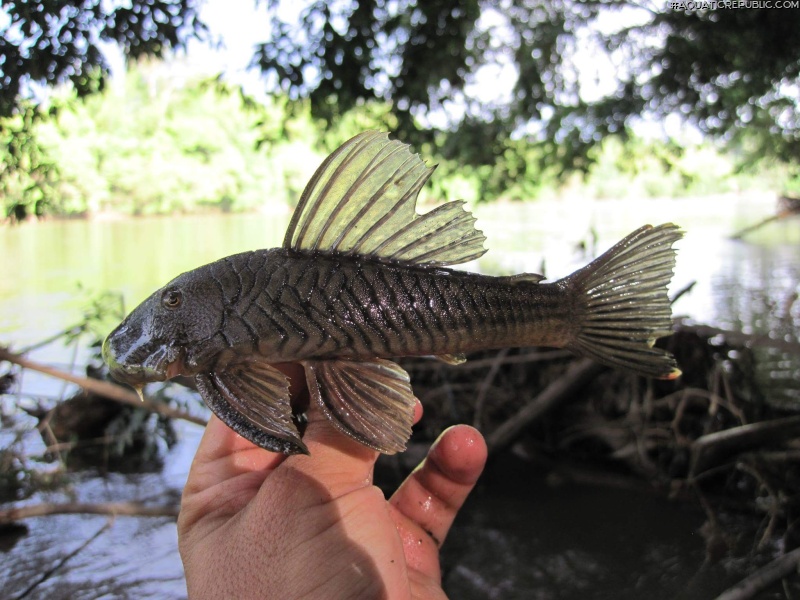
{"points": [[615, 430]]}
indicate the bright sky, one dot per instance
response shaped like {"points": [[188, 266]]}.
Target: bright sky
{"points": [[240, 25]]}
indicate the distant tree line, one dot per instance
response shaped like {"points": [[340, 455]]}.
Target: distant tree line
{"points": [[157, 143], [724, 70], [412, 67]]}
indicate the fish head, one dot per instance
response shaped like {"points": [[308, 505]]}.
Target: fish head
{"points": [[169, 333]]}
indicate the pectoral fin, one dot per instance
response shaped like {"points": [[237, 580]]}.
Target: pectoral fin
{"points": [[252, 398], [372, 402]]}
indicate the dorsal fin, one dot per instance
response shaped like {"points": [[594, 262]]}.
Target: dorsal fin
{"points": [[362, 200]]}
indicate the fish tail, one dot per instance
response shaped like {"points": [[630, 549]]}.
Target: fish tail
{"points": [[622, 305]]}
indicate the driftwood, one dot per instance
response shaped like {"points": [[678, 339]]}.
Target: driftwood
{"points": [[101, 388], [786, 207], [561, 389], [767, 575], [711, 449], [114, 509], [740, 338]]}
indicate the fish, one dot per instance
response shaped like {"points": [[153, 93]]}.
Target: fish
{"points": [[362, 279]]}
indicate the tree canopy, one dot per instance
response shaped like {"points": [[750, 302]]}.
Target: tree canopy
{"points": [[48, 43], [159, 142], [726, 71], [480, 83]]}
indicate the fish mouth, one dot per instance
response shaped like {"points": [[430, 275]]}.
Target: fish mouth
{"points": [[160, 364], [175, 368]]}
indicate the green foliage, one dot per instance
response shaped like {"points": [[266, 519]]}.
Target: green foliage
{"points": [[727, 69], [636, 168], [159, 144], [161, 141], [723, 70], [100, 311], [27, 172], [792, 186], [424, 70], [348, 53], [48, 43]]}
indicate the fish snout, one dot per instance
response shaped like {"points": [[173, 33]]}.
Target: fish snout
{"points": [[137, 362], [121, 370]]}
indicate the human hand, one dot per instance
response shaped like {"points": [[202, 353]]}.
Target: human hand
{"points": [[255, 524]]}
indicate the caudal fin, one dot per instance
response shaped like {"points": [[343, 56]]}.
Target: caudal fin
{"points": [[624, 307]]}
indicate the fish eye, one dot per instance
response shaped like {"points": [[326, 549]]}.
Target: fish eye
{"points": [[172, 299]]}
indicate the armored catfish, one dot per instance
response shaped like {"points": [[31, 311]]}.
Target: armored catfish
{"points": [[361, 278]]}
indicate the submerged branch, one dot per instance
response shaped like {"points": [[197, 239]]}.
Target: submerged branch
{"points": [[742, 232], [787, 206], [49, 572], [101, 388], [485, 385]]}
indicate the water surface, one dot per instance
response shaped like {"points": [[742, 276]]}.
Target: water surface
{"points": [[514, 540]]}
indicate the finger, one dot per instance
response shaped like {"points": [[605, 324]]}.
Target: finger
{"points": [[228, 470], [321, 430], [427, 502], [298, 390], [335, 459], [223, 453], [417, 410], [226, 473], [338, 463]]}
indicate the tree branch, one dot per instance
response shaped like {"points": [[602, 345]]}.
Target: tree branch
{"points": [[559, 390], [763, 578], [101, 388], [114, 509], [711, 449]]}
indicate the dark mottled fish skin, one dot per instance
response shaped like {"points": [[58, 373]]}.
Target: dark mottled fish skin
{"points": [[362, 278], [287, 306]]}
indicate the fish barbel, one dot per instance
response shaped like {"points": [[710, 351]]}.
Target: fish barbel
{"points": [[362, 278]]}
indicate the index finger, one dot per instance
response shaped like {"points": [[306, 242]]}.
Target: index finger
{"points": [[220, 443], [429, 499], [336, 461]]}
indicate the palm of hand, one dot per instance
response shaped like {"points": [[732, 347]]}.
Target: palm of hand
{"points": [[258, 524]]}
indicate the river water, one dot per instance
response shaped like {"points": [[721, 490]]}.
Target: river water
{"points": [[517, 537]]}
